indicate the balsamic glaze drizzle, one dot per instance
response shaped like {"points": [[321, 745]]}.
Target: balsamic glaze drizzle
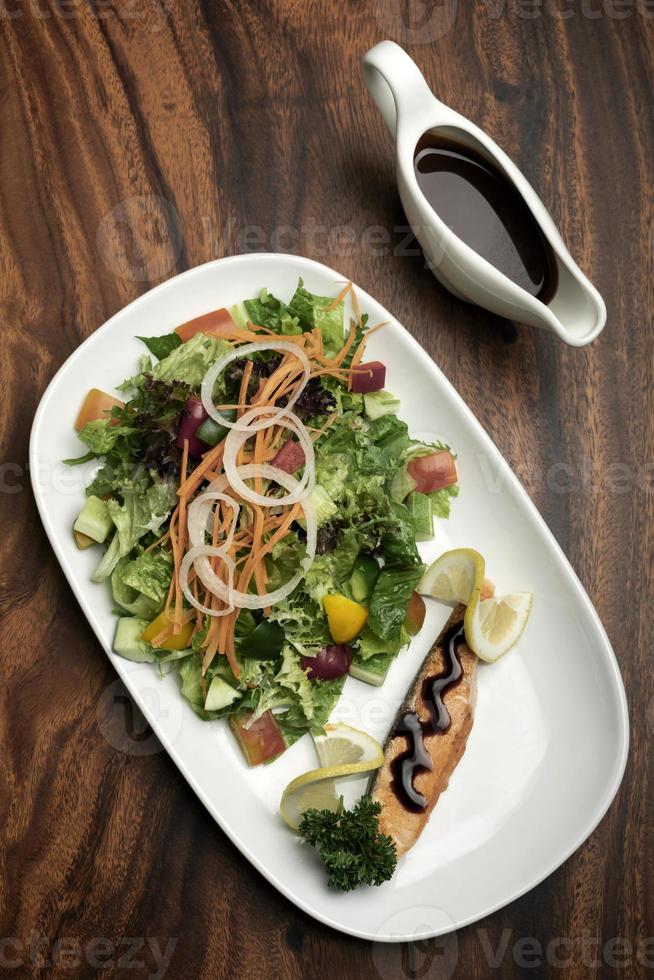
{"points": [[417, 756]]}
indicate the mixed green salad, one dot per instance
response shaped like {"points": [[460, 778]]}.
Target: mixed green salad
{"points": [[201, 536]]}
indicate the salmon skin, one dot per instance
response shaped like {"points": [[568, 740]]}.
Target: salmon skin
{"points": [[403, 817]]}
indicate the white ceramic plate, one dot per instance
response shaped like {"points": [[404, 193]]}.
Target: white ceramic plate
{"points": [[549, 744]]}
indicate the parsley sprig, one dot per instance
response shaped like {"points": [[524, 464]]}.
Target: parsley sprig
{"points": [[353, 850]]}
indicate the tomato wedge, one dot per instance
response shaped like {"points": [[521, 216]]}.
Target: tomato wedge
{"points": [[260, 742], [97, 405], [218, 323], [433, 472]]}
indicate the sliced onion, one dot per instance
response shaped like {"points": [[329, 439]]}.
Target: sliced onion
{"points": [[199, 517], [209, 380], [234, 442], [246, 600], [193, 556]]}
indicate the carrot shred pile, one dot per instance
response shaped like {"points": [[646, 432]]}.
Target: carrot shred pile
{"points": [[254, 540]]}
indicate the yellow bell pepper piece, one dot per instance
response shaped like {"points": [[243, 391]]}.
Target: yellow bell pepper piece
{"points": [[346, 618], [177, 641], [83, 541]]}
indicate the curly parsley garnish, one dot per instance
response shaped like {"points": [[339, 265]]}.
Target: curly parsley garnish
{"points": [[349, 842]]}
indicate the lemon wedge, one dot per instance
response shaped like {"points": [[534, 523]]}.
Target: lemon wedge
{"points": [[454, 577], [342, 751], [493, 626]]}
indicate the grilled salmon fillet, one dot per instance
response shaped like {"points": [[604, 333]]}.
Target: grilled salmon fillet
{"points": [[401, 818]]}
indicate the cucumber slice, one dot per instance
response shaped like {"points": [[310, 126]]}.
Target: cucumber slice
{"points": [[419, 506], [128, 642], [373, 670], [323, 504], [364, 576], [220, 695], [378, 403], [94, 520]]}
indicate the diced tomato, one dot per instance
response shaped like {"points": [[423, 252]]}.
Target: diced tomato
{"points": [[290, 457], [415, 614], [433, 472], [97, 405], [260, 742], [368, 377], [218, 323]]}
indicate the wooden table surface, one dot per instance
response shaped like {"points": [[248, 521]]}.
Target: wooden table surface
{"points": [[142, 137]]}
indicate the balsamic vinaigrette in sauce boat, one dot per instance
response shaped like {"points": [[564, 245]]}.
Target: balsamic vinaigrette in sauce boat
{"points": [[482, 207]]}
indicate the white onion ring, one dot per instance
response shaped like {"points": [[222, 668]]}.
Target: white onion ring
{"points": [[246, 600], [198, 523], [209, 380], [189, 559], [235, 440]]}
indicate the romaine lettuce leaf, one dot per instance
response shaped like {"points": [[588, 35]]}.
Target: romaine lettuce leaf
{"points": [[332, 471], [190, 361], [162, 346], [138, 514], [130, 599], [268, 311], [389, 601], [441, 500], [331, 571], [313, 311], [150, 574], [101, 435]]}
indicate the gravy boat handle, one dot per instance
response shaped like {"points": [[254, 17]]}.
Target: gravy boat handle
{"points": [[401, 93]]}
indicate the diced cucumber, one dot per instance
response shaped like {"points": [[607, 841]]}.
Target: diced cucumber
{"points": [[364, 575], [419, 506], [373, 670], [94, 520], [128, 642], [323, 504], [378, 403], [220, 695]]}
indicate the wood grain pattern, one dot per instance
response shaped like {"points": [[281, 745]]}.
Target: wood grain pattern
{"points": [[142, 137]]}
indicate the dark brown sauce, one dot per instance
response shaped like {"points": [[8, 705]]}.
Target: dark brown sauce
{"points": [[417, 757], [484, 209]]}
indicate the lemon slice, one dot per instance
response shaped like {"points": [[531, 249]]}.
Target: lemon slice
{"points": [[343, 751], [341, 745], [455, 576], [493, 626]]}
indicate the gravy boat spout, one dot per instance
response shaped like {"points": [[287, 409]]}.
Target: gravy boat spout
{"points": [[573, 310]]}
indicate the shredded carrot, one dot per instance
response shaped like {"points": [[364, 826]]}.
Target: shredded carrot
{"points": [[173, 543], [181, 540], [358, 354], [343, 293], [245, 381], [159, 541], [345, 349], [192, 482]]}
